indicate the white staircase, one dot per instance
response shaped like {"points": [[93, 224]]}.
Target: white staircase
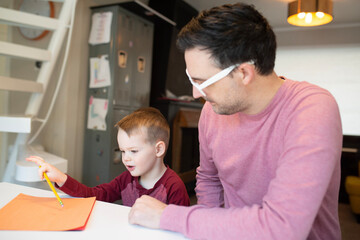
{"points": [[21, 125]]}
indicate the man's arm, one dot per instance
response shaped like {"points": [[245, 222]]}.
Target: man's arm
{"points": [[209, 190]]}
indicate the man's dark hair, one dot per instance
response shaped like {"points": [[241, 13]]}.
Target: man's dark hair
{"points": [[233, 34]]}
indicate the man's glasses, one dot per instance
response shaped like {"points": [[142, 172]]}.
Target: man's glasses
{"points": [[220, 75]]}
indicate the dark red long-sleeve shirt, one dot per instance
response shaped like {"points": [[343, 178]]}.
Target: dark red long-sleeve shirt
{"points": [[169, 189]]}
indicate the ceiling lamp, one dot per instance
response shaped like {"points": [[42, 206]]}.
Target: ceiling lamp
{"points": [[309, 13]]}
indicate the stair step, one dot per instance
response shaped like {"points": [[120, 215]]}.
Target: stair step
{"points": [[24, 19], [15, 124], [60, 1], [15, 84], [17, 50]]}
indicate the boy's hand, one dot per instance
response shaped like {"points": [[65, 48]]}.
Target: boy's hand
{"points": [[54, 174], [146, 212]]}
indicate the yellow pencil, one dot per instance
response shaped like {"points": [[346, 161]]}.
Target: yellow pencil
{"points": [[53, 189]]}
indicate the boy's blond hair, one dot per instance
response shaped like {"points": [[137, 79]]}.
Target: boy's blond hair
{"points": [[149, 118]]}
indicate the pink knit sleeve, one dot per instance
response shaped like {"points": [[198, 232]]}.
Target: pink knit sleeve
{"points": [[209, 190]]}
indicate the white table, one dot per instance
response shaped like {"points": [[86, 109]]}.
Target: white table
{"points": [[106, 221]]}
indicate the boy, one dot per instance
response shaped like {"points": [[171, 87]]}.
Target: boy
{"points": [[143, 138]]}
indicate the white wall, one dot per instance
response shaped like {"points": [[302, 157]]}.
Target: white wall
{"points": [[64, 132], [5, 35], [330, 58]]}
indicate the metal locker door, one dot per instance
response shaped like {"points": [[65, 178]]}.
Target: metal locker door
{"points": [[97, 141], [116, 165], [125, 58], [143, 41]]}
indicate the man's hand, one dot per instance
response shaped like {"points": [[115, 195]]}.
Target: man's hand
{"points": [[146, 212]]}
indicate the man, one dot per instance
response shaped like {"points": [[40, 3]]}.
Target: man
{"points": [[269, 146]]}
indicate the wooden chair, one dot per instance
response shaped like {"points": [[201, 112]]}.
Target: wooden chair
{"points": [[352, 185], [185, 118]]}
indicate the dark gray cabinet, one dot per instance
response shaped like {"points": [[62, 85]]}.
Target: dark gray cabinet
{"points": [[130, 60]]}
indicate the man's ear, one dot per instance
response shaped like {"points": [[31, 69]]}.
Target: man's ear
{"points": [[160, 148], [247, 72]]}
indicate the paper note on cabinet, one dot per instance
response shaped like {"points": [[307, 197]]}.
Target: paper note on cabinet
{"points": [[99, 72], [97, 112], [100, 28]]}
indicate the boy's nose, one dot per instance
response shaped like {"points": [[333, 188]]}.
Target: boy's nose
{"points": [[196, 93], [125, 157]]}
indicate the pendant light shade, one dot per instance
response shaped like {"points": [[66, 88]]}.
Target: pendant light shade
{"points": [[308, 13]]}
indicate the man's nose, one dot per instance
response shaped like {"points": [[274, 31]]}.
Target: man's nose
{"points": [[196, 93]]}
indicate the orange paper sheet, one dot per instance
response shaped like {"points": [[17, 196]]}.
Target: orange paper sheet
{"points": [[31, 213]]}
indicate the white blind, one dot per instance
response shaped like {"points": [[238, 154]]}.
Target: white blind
{"points": [[333, 67]]}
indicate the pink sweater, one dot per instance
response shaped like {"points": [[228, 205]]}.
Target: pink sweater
{"points": [[274, 175]]}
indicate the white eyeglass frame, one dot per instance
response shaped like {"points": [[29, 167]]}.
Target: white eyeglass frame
{"points": [[220, 75]]}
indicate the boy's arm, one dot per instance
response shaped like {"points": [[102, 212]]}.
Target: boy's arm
{"points": [[54, 174], [107, 192]]}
